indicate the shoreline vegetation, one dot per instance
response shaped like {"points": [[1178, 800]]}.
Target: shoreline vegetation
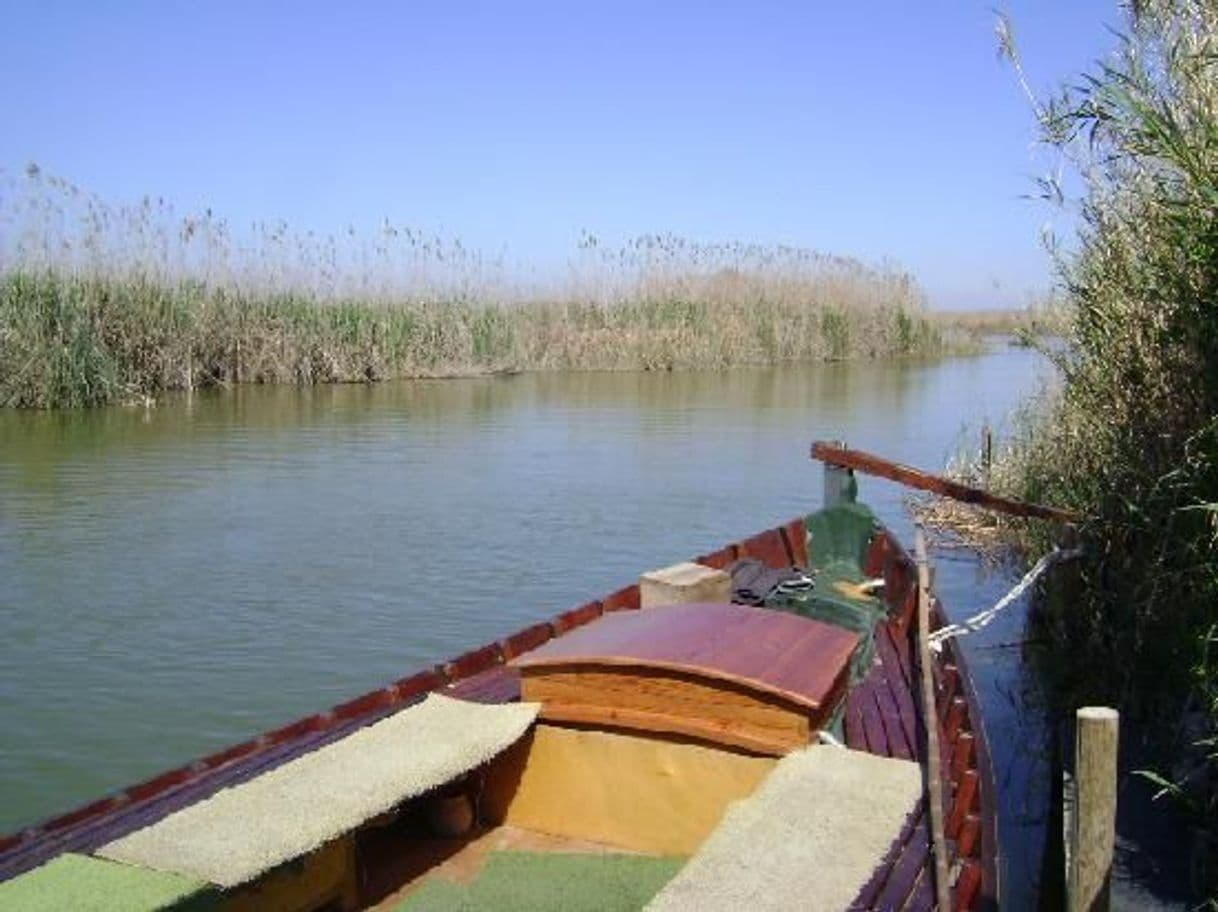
{"points": [[1128, 436], [109, 305]]}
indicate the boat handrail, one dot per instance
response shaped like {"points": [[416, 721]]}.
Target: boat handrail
{"points": [[837, 454]]}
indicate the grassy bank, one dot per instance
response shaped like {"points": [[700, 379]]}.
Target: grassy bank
{"points": [[102, 304], [1131, 437]]}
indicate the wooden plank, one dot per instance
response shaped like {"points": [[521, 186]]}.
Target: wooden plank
{"points": [[576, 617], [957, 715], [933, 756], [795, 534], [767, 547], [720, 559], [900, 687], [968, 885], [922, 897], [985, 771], [626, 599], [606, 695], [870, 891], [898, 639], [964, 753], [963, 804], [873, 725], [907, 870], [948, 687], [869, 464], [500, 684], [969, 838], [473, 662], [856, 731], [526, 640], [886, 705]]}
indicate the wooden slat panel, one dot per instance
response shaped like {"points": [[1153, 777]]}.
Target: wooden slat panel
{"points": [[969, 840], [526, 640], [948, 687], [416, 684], [307, 725], [964, 803], [886, 706], [879, 552], [871, 890], [626, 599], [957, 713], [963, 755], [986, 790], [900, 689], [576, 617], [907, 870], [922, 897], [968, 885], [877, 737], [369, 702], [856, 731], [500, 684], [719, 560], [767, 547], [795, 534], [101, 806], [474, 662]]}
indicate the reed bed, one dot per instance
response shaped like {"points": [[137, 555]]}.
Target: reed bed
{"points": [[1130, 438], [103, 304]]}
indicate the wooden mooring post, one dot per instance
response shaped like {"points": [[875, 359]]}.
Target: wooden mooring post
{"points": [[1091, 822]]}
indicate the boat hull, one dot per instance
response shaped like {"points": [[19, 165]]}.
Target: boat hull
{"points": [[882, 716]]}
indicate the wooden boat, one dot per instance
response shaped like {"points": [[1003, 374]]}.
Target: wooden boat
{"points": [[659, 745]]}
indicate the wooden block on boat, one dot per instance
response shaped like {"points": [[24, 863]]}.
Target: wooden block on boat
{"points": [[684, 583], [744, 677]]}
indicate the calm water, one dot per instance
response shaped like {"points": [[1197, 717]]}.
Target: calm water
{"points": [[176, 579]]}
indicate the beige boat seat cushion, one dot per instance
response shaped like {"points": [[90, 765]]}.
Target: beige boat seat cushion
{"points": [[243, 831], [810, 837]]}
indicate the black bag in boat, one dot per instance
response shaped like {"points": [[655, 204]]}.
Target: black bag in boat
{"points": [[753, 582]]}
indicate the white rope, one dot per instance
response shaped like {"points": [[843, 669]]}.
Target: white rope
{"points": [[981, 619], [825, 737]]}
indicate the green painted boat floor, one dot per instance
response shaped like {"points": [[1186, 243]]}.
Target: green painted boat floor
{"points": [[550, 882], [85, 884]]}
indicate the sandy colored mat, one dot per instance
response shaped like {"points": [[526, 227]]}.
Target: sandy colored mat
{"points": [[245, 830], [809, 838]]}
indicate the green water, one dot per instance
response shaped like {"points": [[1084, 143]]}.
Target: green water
{"points": [[175, 579]]}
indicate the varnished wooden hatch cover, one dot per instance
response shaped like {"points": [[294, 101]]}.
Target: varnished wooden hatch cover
{"points": [[745, 677]]}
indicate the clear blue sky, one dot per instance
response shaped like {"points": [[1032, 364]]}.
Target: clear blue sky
{"points": [[869, 129]]}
